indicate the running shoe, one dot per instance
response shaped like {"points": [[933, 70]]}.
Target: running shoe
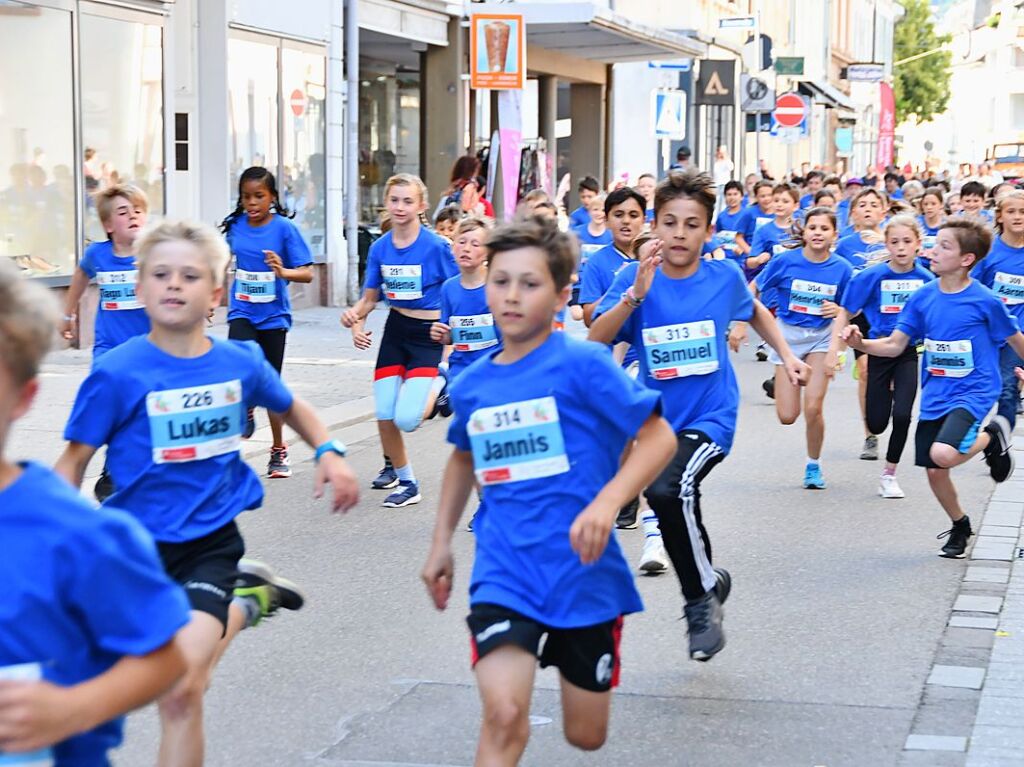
{"points": [[279, 466], [813, 479], [958, 536], [104, 487], [257, 581], [387, 478], [250, 423], [442, 405], [723, 584], [761, 354], [769, 387], [653, 558], [627, 519], [704, 620], [406, 494], [870, 450], [998, 454], [888, 487]]}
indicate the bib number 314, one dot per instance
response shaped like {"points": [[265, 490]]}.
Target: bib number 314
{"points": [[517, 441]]}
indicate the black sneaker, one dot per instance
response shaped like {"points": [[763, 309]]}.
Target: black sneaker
{"points": [[704, 619], [627, 519], [257, 581], [279, 467], [442, 405], [104, 487], [761, 354], [998, 454], [388, 477], [723, 584], [958, 535], [769, 387], [250, 423]]}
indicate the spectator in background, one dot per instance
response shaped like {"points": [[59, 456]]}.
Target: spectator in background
{"points": [[682, 159], [465, 169]]}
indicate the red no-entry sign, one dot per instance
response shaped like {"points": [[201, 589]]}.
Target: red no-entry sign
{"points": [[298, 102], [790, 110]]}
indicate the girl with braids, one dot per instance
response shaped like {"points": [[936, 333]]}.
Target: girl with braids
{"points": [[269, 253]]}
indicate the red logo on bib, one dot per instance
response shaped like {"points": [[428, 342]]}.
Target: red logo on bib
{"points": [[497, 475]]}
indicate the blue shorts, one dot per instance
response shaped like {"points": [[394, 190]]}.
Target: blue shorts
{"points": [[957, 428]]}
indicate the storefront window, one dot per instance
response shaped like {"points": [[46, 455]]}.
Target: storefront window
{"points": [[389, 134], [302, 148], [122, 111], [37, 159], [252, 106]]}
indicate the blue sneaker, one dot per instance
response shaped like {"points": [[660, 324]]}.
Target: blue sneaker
{"points": [[406, 494], [813, 479], [387, 479]]}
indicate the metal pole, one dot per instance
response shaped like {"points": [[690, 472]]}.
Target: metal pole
{"points": [[352, 145]]}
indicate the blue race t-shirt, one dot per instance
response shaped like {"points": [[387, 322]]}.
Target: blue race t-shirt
{"points": [[601, 269], [962, 334], [928, 234], [727, 226], [173, 427], [807, 201], [842, 214], [881, 294], [465, 311], [579, 217], [590, 243], [803, 286], [83, 588], [858, 252], [680, 331], [259, 295], [752, 219], [1002, 270], [546, 434], [767, 239], [119, 315], [410, 277]]}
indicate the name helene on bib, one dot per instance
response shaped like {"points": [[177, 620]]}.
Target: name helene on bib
{"points": [[471, 333], [402, 282], [43, 757], [255, 287], [895, 294], [949, 359], [677, 351], [117, 290], [195, 423], [1009, 287], [807, 297], [517, 441]]}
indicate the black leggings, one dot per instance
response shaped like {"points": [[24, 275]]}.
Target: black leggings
{"points": [[892, 389]]}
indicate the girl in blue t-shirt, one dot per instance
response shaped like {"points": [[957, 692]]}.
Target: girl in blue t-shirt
{"points": [[808, 282], [269, 252], [592, 237], [933, 213], [770, 239]]}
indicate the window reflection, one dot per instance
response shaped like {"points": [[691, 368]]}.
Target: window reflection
{"points": [[303, 186], [389, 133], [252, 107]]}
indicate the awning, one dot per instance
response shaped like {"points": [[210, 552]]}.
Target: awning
{"points": [[593, 32], [826, 94]]}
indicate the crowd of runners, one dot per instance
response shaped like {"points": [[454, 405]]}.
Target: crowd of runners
{"points": [[583, 358]]}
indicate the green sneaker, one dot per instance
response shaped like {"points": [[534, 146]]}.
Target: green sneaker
{"points": [[258, 582]]}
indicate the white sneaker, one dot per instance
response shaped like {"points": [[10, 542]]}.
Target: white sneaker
{"points": [[888, 487], [653, 559]]}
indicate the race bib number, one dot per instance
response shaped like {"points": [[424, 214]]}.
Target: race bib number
{"points": [[1009, 288], [117, 292], [195, 423], [587, 250], [25, 672], [517, 442], [473, 333], [779, 248], [949, 359], [403, 282], [761, 221], [728, 239], [677, 351], [806, 297], [895, 294], [255, 287], [928, 243]]}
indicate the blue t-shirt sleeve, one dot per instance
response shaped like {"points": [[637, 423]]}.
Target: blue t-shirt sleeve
{"points": [[448, 266], [114, 581], [911, 321], [88, 262], [760, 243], [296, 251], [446, 302], [844, 282], [591, 288], [458, 433], [1001, 323], [855, 297], [982, 273], [611, 298], [770, 275], [606, 382], [742, 300], [373, 278], [96, 412]]}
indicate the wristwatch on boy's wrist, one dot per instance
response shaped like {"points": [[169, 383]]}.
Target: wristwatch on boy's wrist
{"points": [[331, 446], [629, 298]]}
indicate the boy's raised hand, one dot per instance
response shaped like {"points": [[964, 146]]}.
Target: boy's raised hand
{"points": [[440, 333], [438, 574], [650, 260], [334, 470], [590, 531]]}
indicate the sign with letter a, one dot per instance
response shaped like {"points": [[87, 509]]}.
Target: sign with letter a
{"points": [[716, 84]]}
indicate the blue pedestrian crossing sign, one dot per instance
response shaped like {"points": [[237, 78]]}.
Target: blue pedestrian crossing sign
{"points": [[670, 114]]}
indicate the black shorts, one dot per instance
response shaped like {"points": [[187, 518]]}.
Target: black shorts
{"points": [[406, 349], [865, 329], [271, 341], [586, 657], [958, 428], [206, 568]]}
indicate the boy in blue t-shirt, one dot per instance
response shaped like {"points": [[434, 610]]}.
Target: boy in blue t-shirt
{"points": [[408, 265], [270, 253], [466, 323], [170, 406], [88, 616], [624, 210], [972, 200], [588, 189], [815, 181], [592, 237], [532, 425], [770, 238], [963, 325], [729, 223], [676, 314], [756, 215]]}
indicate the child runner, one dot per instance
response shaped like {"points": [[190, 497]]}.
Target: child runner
{"points": [[588, 189], [1003, 271], [624, 210], [645, 185], [962, 324], [170, 406], [122, 210], [675, 307], [881, 292], [826, 198], [270, 252], [815, 182], [532, 423], [409, 263], [804, 280], [68, 668], [972, 202], [592, 237], [769, 238], [933, 213], [852, 186], [729, 222], [447, 221], [756, 215]]}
